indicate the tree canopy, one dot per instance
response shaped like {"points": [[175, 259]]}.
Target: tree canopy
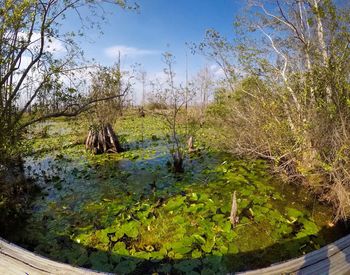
{"points": [[40, 63]]}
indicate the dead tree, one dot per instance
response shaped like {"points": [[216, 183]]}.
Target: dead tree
{"points": [[178, 166], [103, 140], [190, 145], [141, 112], [233, 215]]}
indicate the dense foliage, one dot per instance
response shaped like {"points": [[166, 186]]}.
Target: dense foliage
{"points": [[40, 65], [289, 98], [128, 212], [279, 114]]}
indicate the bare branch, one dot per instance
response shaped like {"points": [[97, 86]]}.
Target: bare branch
{"points": [[80, 109], [283, 72]]}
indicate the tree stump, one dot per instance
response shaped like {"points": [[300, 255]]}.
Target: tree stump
{"points": [[141, 112], [190, 145], [178, 162], [102, 140], [233, 215]]}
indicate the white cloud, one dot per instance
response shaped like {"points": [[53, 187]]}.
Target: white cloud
{"points": [[217, 71], [55, 46], [160, 75], [52, 45], [131, 52]]}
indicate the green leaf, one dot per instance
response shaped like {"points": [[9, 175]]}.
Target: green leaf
{"points": [[196, 254], [180, 247], [142, 255], [214, 262], [207, 271], [99, 261], [149, 248], [205, 198], [208, 246], [179, 220], [218, 217], [232, 248], [198, 238], [223, 249], [125, 267], [310, 228], [294, 213], [174, 204], [226, 209], [115, 259], [194, 197], [81, 260], [226, 227], [120, 248], [131, 229], [117, 235], [165, 268], [157, 255], [187, 265], [178, 256]]}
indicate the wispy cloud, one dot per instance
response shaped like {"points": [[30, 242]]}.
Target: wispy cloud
{"points": [[52, 45], [131, 52], [217, 71]]}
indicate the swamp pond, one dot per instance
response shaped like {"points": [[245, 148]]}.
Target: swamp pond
{"points": [[128, 213]]}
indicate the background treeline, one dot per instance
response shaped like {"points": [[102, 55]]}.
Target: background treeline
{"points": [[288, 100]]}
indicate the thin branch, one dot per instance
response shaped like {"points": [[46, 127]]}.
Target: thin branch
{"points": [[80, 109], [283, 72]]}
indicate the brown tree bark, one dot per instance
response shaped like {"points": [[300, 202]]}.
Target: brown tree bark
{"points": [[103, 140], [233, 215]]}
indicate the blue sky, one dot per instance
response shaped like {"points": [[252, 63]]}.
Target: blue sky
{"points": [[159, 26]]}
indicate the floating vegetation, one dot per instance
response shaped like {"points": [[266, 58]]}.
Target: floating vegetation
{"points": [[128, 213]]}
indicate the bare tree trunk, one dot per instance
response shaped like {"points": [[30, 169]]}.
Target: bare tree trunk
{"points": [[103, 141], [178, 162], [320, 32], [233, 216], [190, 144], [322, 43]]}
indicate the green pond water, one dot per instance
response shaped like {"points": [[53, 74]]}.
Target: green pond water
{"points": [[128, 213]]}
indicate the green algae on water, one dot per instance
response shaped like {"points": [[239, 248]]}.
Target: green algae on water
{"points": [[128, 213]]}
